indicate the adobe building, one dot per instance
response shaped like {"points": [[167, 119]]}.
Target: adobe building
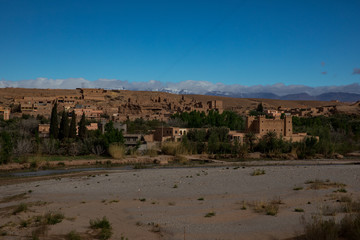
{"points": [[44, 130], [6, 113], [216, 105], [273, 113], [260, 126], [92, 127], [96, 94], [89, 113], [169, 134]]}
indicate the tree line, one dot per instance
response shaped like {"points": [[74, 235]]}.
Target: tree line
{"points": [[196, 119], [19, 137]]}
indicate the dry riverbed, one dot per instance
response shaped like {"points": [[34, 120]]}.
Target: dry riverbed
{"points": [[223, 202]]}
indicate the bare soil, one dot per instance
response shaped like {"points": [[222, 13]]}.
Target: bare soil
{"points": [[171, 203]]}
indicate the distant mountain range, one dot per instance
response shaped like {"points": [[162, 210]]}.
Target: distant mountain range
{"points": [[343, 93], [340, 96], [329, 96]]}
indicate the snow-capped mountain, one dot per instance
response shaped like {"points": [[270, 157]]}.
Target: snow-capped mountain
{"points": [[346, 93]]}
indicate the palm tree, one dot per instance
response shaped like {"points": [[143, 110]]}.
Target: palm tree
{"points": [[270, 139], [250, 140]]}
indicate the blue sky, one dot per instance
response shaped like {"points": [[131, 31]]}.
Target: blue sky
{"points": [[314, 43]]}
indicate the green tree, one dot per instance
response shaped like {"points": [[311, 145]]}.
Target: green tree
{"points": [[112, 134], [213, 118], [6, 147], [213, 143], [82, 127], [54, 125], [64, 126], [72, 128]]}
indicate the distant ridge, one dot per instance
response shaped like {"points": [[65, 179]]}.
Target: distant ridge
{"points": [[330, 96], [278, 91]]}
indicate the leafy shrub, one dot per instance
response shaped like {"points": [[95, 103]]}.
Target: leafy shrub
{"points": [[22, 207], [105, 227], [73, 236], [100, 223], [210, 214], [53, 218]]}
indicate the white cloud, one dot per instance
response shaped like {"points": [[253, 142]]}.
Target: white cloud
{"points": [[188, 86]]}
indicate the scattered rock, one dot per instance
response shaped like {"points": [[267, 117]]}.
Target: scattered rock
{"points": [[254, 155], [338, 156], [353, 154]]}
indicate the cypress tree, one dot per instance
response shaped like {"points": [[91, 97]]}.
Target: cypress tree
{"points": [[82, 127], [64, 126], [72, 128], [54, 126], [260, 108]]}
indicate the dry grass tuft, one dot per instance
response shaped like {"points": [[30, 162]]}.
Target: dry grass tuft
{"points": [[319, 228], [321, 184], [269, 207], [117, 151], [173, 148], [13, 198], [258, 172]]}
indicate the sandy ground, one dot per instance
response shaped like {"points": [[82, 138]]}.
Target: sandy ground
{"points": [[172, 203]]}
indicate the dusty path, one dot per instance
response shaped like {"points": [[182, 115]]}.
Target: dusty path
{"points": [[172, 203]]}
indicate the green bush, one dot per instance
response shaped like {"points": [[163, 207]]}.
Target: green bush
{"points": [[105, 227], [53, 218], [22, 207], [210, 214], [73, 236], [100, 223]]}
